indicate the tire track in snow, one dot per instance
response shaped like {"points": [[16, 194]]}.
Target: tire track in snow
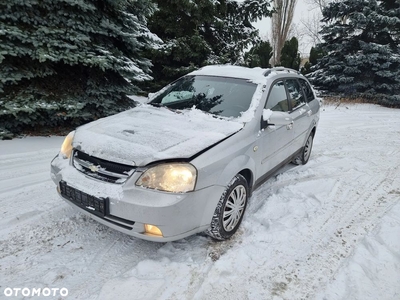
{"points": [[119, 254], [23, 181], [19, 165], [15, 170], [9, 159], [84, 249], [21, 205], [336, 240], [338, 234]]}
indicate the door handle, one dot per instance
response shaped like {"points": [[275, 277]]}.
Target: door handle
{"points": [[309, 113], [289, 126]]}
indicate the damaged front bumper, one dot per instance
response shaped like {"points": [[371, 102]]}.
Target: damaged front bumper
{"points": [[133, 210]]}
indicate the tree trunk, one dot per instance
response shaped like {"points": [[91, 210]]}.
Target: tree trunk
{"points": [[281, 22]]}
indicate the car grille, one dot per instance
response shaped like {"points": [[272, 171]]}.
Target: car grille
{"points": [[101, 169]]}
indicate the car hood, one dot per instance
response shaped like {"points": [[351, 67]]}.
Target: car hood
{"points": [[146, 133]]}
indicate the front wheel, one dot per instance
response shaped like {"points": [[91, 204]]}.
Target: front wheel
{"points": [[230, 209], [305, 154]]}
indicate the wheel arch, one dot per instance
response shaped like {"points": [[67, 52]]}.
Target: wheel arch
{"points": [[313, 131], [248, 175], [243, 165]]}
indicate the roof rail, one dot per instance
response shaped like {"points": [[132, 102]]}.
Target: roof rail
{"points": [[280, 69]]}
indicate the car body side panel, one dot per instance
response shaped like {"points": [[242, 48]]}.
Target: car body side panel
{"points": [[221, 163], [234, 167], [274, 147], [301, 122]]}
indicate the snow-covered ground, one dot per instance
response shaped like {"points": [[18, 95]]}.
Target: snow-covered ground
{"points": [[326, 230]]}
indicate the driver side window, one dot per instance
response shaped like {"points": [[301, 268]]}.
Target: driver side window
{"points": [[277, 98]]}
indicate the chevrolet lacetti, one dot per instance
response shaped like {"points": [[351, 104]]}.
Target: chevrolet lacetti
{"points": [[188, 159]]}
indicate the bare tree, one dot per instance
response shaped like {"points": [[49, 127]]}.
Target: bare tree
{"points": [[281, 22], [320, 4], [302, 37], [312, 27]]}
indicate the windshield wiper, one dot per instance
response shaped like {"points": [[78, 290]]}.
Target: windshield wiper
{"points": [[156, 104], [162, 105]]}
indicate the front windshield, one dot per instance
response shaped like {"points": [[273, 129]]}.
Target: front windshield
{"points": [[221, 96]]}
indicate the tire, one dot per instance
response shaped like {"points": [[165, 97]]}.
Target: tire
{"points": [[230, 209], [305, 154]]}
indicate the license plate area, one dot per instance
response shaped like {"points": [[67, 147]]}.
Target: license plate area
{"points": [[94, 205]]}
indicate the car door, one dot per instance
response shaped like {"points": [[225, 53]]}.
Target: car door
{"points": [[300, 113], [275, 140], [312, 101]]}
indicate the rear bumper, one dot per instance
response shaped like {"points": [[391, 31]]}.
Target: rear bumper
{"points": [[131, 207]]}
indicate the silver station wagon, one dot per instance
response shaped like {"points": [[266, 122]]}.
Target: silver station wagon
{"points": [[188, 159]]}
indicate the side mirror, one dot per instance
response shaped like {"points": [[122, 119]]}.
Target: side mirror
{"points": [[276, 117], [150, 97]]}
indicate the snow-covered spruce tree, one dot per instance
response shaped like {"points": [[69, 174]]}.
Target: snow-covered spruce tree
{"points": [[178, 23], [232, 31], [201, 32], [70, 61], [361, 40]]}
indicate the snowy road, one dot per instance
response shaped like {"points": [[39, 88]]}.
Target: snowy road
{"points": [[326, 230]]}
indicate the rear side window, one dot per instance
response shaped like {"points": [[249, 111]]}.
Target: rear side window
{"points": [[296, 96], [308, 92]]}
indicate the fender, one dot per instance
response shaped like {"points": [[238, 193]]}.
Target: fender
{"points": [[234, 167]]}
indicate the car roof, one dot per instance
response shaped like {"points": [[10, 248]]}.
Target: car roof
{"points": [[253, 74], [256, 75]]}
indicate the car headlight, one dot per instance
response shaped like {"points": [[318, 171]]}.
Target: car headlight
{"points": [[66, 147], [169, 177]]}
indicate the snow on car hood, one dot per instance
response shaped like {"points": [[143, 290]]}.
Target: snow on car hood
{"points": [[146, 133]]}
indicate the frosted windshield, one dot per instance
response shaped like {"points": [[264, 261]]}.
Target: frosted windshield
{"points": [[222, 96]]}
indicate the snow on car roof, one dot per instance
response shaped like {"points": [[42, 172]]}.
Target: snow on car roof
{"points": [[255, 75]]}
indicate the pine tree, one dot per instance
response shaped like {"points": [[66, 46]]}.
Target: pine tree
{"points": [[201, 32], [290, 56], [70, 61], [361, 40], [181, 25], [259, 55], [235, 32]]}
